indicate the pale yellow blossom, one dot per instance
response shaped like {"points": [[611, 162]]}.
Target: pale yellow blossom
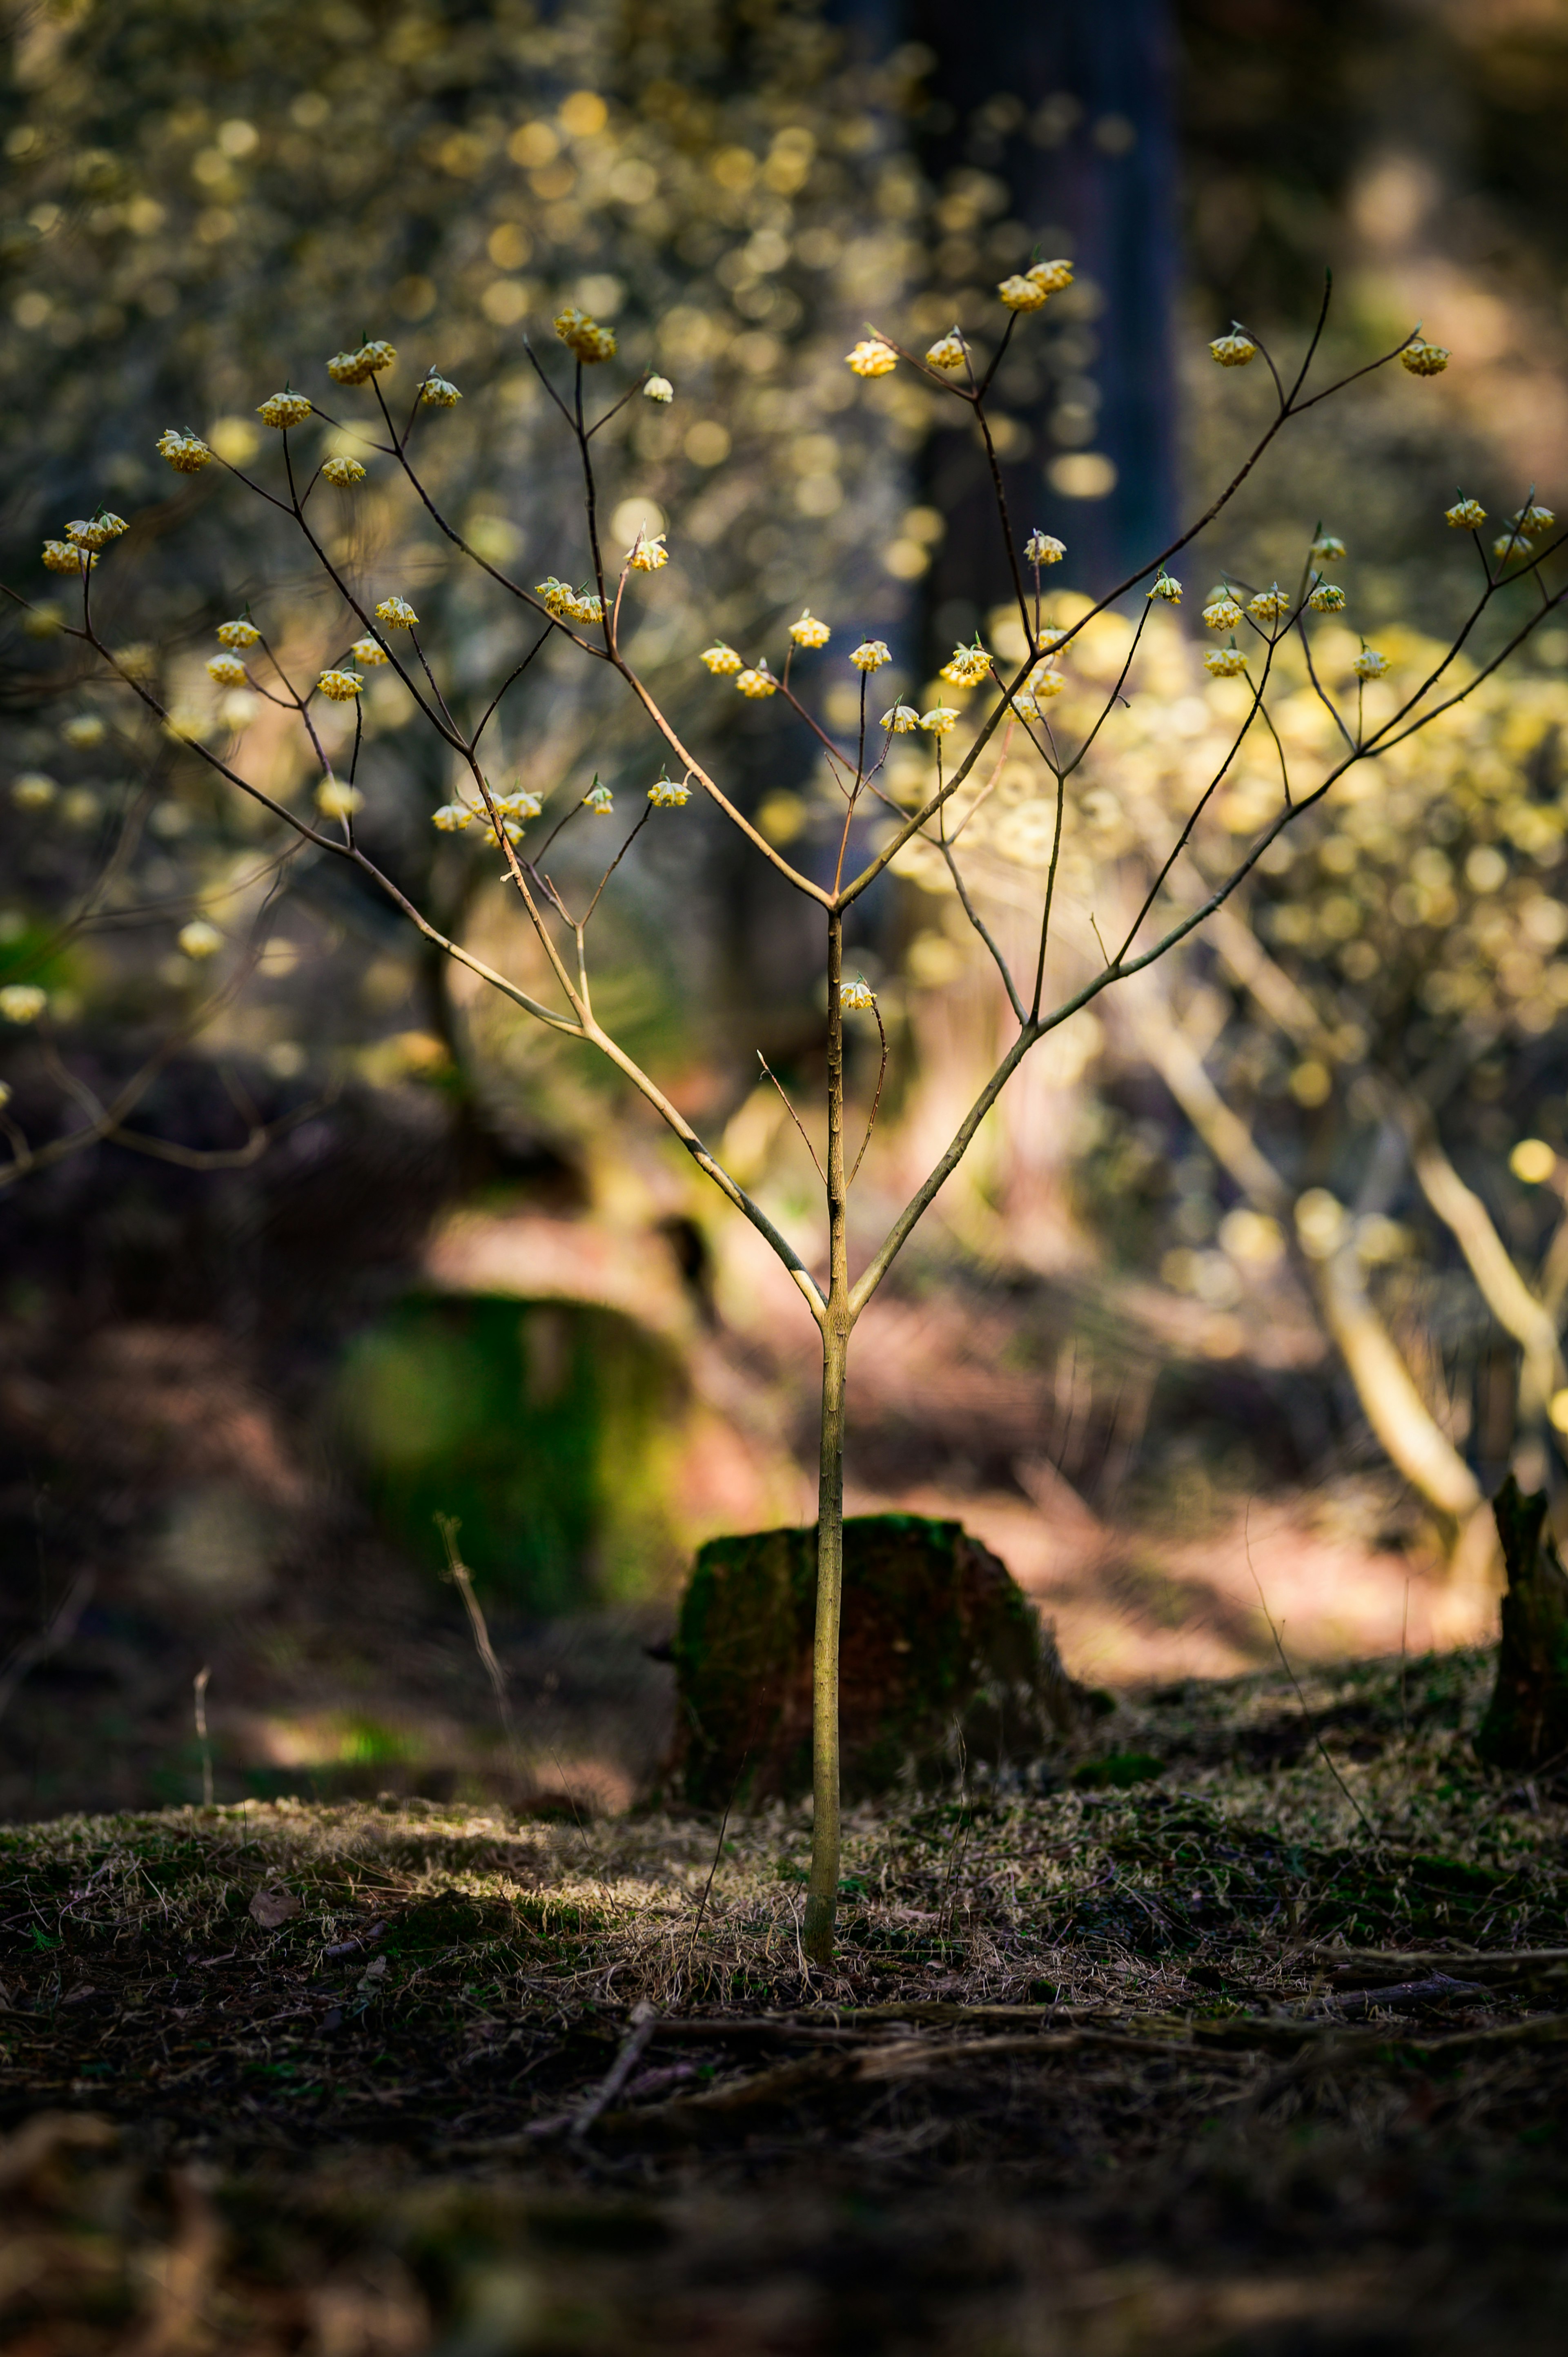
{"points": [[1224, 613], [584, 337], [240, 633], [901, 719], [1235, 349], [659, 389], [59, 556], [1225, 663], [871, 357], [856, 994], [648, 553], [1370, 663], [96, 532], [1328, 598], [368, 653], [439, 393], [1043, 548], [1020, 294], [227, 670], [395, 613], [722, 660], [808, 633], [940, 719], [1465, 515], [283, 410], [343, 472], [665, 794], [335, 799], [599, 800], [22, 1002], [871, 655], [1269, 604], [199, 940], [359, 366], [1168, 587], [186, 453], [966, 666], [948, 351], [339, 686], [758, 681]]}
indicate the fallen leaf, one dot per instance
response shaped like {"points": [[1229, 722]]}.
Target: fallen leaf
{"points": [[271, 1908]]}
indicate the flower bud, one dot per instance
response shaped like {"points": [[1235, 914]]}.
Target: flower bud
{"points": [[1423, 359], [659, 389]]}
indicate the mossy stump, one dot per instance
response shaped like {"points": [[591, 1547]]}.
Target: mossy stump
{"points": [[1526, 1724], [941, 1659]]}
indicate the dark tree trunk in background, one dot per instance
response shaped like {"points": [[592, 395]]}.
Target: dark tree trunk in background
{"points": [[1071, 110], [1526, 1724]]}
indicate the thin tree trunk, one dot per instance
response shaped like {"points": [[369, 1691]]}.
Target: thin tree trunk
{"points": [[822, 1898]]}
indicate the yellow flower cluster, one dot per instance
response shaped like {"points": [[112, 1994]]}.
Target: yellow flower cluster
{"points": [[966, 666], [757, 682], [1370, 663], [1530, 521], [1044, 683], [808, 633], [599, 800], [648, 553], [240, 633], [339, 688], [453, 817], [343, 472], [1235, 349], [871, 357], [439, 393], [1465, 515], [282, 410], [59, 556], [1027, 290], [396, 614], [1328, 548], [722, 660], [519, 803], [941, 720], [584, 337], [659, 389], [871, 655], [1043, 548], [857, 993], [565, 604], [1269, 605], [1328, 598], [227, 670], [1424, 360], [665, 794], [368, 653], [359, 367], [1225, 663], [96, 532], [948, 351], [1224, 613], [901, 719], [187, 453], [1168, 587]]}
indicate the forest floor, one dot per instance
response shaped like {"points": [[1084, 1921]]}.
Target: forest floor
{"points": [[1245, 2033]]}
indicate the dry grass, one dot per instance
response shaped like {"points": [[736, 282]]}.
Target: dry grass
{"points": [[1176, 2138]]}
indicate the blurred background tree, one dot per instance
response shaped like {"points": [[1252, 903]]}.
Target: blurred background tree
{"points": [[198, 200]]}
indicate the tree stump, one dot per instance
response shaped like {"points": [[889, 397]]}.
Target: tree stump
{"points": [[941, 1659], [1526, 1724]]}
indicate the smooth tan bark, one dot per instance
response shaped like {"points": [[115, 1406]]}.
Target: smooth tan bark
{"points": [[821, 1897]]}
